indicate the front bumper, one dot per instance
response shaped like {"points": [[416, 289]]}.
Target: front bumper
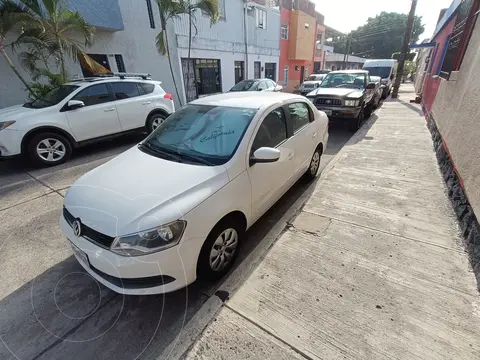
{"points": [[10, 143], [340, 112], [156, 273]]}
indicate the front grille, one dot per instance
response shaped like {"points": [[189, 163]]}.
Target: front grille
{"points": [[88, 233], [320, 101], [309, 86]]}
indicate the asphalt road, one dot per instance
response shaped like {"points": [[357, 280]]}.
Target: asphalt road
{"points": [[50, 308]]}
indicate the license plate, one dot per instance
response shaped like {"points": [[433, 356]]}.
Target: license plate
{"points": [[327, 112], [79, 254]]}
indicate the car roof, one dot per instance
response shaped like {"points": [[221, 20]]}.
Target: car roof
{"points": [[348, 72], [246, 99], [256, 79], [100, 80]]}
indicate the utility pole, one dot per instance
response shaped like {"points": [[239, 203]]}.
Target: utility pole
{"points": [[345, 56], [405, 49]]}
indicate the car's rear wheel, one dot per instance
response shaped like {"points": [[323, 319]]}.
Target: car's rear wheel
{"points": [[314, 164], [49, 149], [220, 249], [154, 121]]}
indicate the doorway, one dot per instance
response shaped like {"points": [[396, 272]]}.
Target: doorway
{"points": [[271, 71], [257, 72], [302, 74]]}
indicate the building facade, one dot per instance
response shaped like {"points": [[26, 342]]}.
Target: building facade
{"points": [[124, 41], [244, 44], [301, 37]]}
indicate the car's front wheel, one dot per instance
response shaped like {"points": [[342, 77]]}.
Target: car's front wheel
{"points": [[220, 249], [357, 123], [49, 149]]}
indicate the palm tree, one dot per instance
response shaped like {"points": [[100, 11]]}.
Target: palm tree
{"points": [[10, 14], [50, 25], [173, 9]]}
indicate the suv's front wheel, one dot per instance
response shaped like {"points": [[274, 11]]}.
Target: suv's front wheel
{"points": [[49, 149]]}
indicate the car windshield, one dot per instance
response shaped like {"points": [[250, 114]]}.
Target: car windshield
{"points": [[53, 97], [246, 85], [203, 134], [344, 80], [382, 71], [315, 77]]}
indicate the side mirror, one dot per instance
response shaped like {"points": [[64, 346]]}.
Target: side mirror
{"points": [[75, 104], [265, 155], [371, 86], [392, 76]]}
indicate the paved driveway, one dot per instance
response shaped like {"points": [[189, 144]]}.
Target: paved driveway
{"points": [[50, 308]]}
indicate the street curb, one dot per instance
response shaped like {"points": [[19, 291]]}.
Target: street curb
{"points": [[467, 220], [178, 348]]}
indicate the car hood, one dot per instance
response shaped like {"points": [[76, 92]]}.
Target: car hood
{"points": [[341, 92], [136, 191], [16, 112]]}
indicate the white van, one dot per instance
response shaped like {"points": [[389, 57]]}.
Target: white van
{"points": [[384, 68]]}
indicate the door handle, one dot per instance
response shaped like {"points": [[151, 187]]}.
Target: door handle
{"points": [[314, 135], [290, 156], [109, 109], [146, 103]]}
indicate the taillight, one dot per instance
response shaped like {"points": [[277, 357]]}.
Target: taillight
{"points": [[168, 96]]}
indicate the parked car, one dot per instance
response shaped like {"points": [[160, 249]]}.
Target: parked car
{"points": [[347, 96], [379, 90], [257, 85], [82, 112], [177, 206], [312, 82], [386, 69]]}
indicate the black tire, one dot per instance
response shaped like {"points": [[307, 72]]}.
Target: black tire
{"points": [[385, 93], [205, 268], [368, 111], [357, 123], [314, 166], [58, 143], [153, 119]]}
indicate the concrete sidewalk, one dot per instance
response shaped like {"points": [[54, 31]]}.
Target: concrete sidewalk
{"points": [[372, 267]]}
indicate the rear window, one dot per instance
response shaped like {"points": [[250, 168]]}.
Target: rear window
{"points": [[147, 88]]}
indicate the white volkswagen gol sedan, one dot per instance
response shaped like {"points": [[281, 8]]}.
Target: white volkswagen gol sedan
{"points": [[177, 205]]}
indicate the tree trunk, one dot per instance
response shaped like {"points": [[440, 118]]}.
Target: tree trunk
{"points": [[12, 66], [63, 72], [170, 64]]}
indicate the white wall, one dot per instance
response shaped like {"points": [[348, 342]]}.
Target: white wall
{"points": [[136, 44]]}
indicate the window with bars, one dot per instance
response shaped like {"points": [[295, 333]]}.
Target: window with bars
{"points": [[458, 40], [261, 18], [150, 14], [284, 32], [239, 71], [120, 63]]}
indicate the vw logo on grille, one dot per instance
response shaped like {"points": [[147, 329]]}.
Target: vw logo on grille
{"points": [[77, 228], [328, 101]]}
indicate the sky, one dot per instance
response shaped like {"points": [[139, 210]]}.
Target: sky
{"points": [[347, 15]]}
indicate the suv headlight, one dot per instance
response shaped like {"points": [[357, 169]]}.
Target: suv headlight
{"points": [[5, 124], [351, 102], [149, 241]]}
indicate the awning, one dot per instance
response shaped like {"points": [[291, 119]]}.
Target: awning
{"points": [[423, 45], [91, 65]]}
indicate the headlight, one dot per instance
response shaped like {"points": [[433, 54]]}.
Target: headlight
{"points": [[149, 241], [351, 102], [384, 82], [5, 124]]}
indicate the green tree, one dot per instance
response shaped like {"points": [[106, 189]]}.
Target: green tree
{"points": [[380, 37], [51, 27], [173, 9], [10, 16]]}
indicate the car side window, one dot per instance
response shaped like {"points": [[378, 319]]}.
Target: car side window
{"points": [[147, 88], [299, 115], [272, 131], [270, 84], [94, 95], [125, 90], [262, 86]]}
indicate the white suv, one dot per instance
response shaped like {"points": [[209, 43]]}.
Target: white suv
{"points": [[81, 112]]}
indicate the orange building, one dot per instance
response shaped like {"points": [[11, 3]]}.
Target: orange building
{"points": [[301, 35]]}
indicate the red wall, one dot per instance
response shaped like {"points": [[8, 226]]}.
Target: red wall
{"points": [[431, 85], [293, 75]]}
